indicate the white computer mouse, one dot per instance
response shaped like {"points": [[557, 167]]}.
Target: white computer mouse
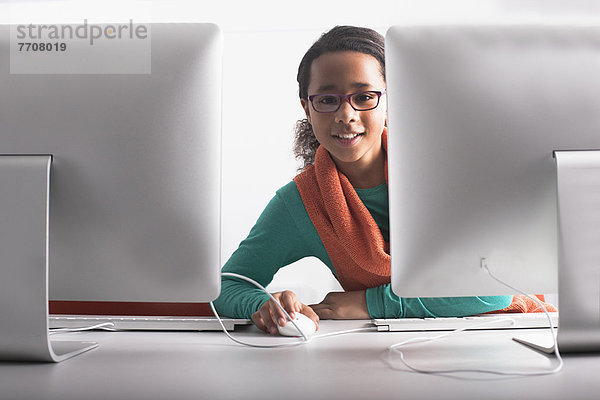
{"points": [[306, 324]]}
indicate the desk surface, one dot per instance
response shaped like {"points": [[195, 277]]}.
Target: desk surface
{"points": [[207, 365]]}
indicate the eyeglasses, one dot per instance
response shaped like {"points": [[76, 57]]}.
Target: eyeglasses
{"points": [[361, 101]]}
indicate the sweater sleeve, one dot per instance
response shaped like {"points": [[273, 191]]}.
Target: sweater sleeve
{"points": [[273, 242], [383, 303]]}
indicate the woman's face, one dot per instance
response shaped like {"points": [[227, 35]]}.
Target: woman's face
{"points": [[350, 136]]}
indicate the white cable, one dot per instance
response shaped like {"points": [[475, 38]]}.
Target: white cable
{"points": [[394, 348], [304, 340], [324, 335], [552, 330], [109, 326], [262, 346], [258, 285]]}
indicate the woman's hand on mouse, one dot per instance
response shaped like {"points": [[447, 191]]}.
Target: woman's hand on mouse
{"points": [[269, 315], [343, 305]]}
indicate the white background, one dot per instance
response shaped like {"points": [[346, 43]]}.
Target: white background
{"points": [[264, 42]]}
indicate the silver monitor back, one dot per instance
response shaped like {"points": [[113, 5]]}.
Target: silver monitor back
{"points": [[475, 113], [135, 179]]}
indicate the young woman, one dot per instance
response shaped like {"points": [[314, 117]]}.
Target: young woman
{"points": [[337, 208]]}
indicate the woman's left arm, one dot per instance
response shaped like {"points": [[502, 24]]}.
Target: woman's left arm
{"points": [[381, 302]]}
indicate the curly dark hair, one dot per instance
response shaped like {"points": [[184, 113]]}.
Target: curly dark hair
{"points": [[340, 38]]}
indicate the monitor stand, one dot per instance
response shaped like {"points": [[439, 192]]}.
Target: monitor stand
{"points": [[578, 195], [24, 229]]}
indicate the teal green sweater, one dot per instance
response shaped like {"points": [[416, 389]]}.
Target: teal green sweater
{"points": [[284, 234]]}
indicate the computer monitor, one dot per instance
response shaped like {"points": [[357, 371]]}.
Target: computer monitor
{"points": [[475, 115], [135, 182]]}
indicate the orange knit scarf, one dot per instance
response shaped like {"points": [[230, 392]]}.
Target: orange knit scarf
{"points": [[349, 233]]}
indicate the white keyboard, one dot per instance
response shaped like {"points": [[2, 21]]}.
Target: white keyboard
{"points": [[493, 321], [150, 323]]}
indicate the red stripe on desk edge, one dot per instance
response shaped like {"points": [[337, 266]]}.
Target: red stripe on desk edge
{"points": [[135, 308], [130, 308]]}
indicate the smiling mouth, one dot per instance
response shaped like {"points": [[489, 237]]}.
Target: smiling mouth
{"points": [[348, 136]]}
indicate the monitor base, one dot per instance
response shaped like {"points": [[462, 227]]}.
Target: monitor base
{"points": [[24, 227], [578, 194]]}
